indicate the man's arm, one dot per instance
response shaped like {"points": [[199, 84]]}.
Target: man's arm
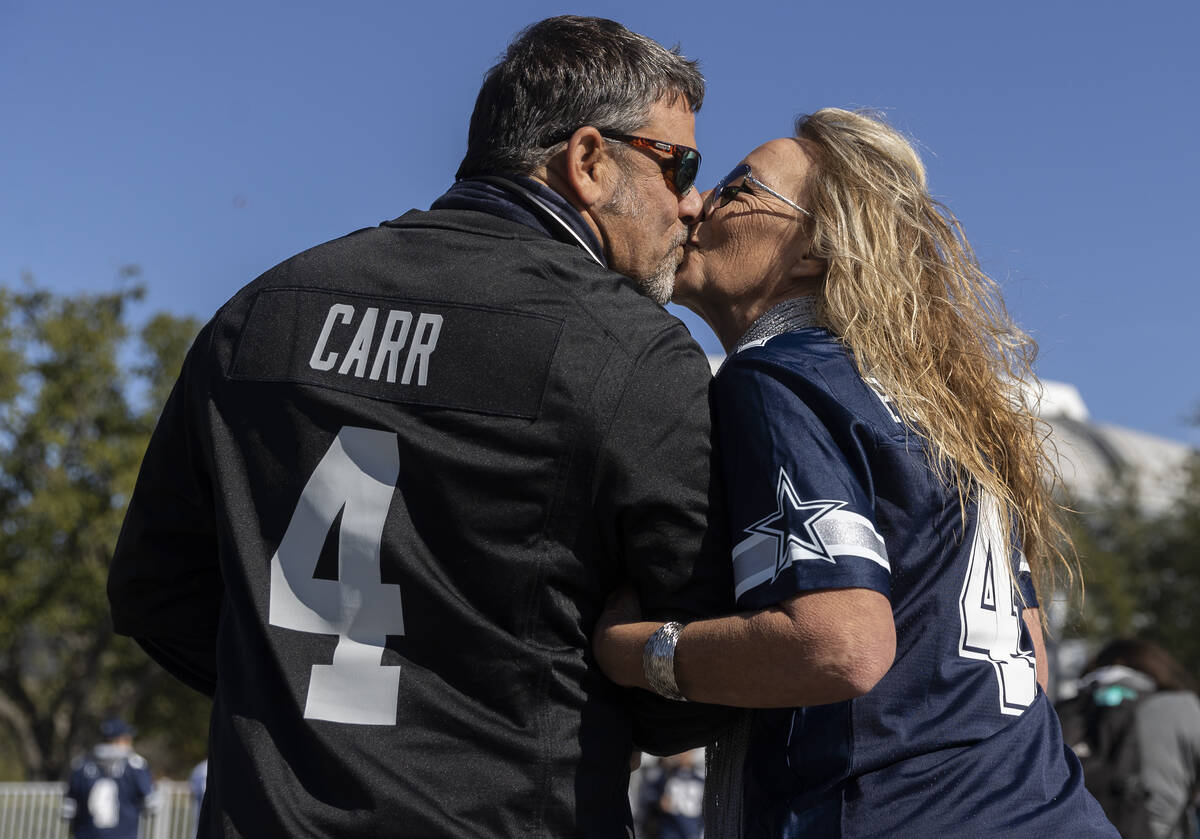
{"points": [[164, 585], [147, 796], [661, 506], [659, 492], [70, 802]]}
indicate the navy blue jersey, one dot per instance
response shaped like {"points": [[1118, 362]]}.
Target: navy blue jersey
{"points": [[671, 797], [106, 793], [828, 489]]}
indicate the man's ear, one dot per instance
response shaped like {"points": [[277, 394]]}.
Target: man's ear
{"points": [[586, 168]]}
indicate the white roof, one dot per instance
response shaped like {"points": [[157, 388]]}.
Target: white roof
{"points": [[1095, 459]]}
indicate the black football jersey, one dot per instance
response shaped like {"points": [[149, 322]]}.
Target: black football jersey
{"points": [[381, 512]]}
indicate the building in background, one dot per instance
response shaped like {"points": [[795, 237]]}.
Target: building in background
{"points": [[1093, 457]]}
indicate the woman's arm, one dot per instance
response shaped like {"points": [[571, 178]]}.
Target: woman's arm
{"points": [[1033, 620], [812, 649]]}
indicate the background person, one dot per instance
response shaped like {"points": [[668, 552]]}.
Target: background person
{"points": [[883, 481], [109, 787], [400, 472], [197, 782], [671, 797], [1135, 725]]}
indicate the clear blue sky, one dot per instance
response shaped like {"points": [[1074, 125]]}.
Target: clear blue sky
{"points": [[208, 141]]}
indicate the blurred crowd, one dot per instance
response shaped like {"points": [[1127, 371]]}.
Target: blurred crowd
{"points": [[1133, 721]]}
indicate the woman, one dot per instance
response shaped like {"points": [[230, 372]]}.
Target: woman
{"points": [[1135, 724], [881, 470]]}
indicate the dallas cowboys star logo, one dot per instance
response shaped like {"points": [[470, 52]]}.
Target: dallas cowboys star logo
{"points": [[798, 519]]}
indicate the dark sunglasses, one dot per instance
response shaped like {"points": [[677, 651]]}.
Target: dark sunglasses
{"points": [[725, 191], [685, 161]]}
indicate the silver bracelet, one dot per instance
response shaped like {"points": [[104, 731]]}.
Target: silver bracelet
{"points": [[658, 661]]}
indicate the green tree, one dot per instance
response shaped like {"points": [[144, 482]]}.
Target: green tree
{"points": [[75, 418], [1142, 571]]}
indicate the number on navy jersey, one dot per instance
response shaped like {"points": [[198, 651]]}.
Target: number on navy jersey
{"points": [[991, 616], [104, 804]]}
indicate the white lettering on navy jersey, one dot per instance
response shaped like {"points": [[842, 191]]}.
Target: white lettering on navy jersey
{"points": [[875, 387], [990, 615], [386, 355], [104, 804]]}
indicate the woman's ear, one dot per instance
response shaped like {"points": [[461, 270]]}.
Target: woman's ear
{"points": [[803, 264], [808, 266]]}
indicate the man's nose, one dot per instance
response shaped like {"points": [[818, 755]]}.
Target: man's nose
{"points": [[691, 206]]}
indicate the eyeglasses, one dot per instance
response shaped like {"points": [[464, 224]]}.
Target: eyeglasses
{"points": [[685, 161], [724, 192]]}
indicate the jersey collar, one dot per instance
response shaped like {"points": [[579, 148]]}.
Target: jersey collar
{"points": [[528, 201], [796, 313]]}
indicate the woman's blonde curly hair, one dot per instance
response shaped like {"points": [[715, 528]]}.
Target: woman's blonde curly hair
{"points": [[905, 293]]}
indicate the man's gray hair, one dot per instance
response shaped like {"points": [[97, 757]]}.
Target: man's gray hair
{"points": [[566, 72]]}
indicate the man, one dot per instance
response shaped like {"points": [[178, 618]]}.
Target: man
{"points": [[400, 473], [109, 787]]}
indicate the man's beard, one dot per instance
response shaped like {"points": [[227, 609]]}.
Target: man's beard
{"points": [[659, 285]]}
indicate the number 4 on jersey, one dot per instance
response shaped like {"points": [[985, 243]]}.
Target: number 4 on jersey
{"points": [[356, 478], [991, 614]]}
